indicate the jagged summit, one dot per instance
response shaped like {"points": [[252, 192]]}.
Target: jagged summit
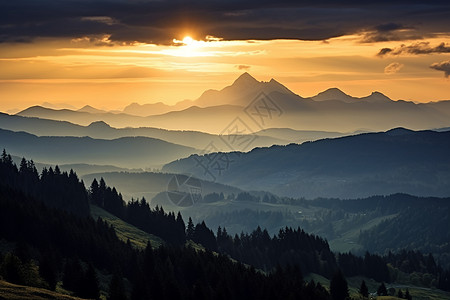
{"points": [[245, 80]]}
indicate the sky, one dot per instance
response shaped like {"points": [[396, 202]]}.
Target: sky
{"points": [[110, 53]]}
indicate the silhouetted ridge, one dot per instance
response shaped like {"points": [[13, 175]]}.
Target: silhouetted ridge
{"points": [[399, 131], [99, 124], [377, 97], [330, 94]]}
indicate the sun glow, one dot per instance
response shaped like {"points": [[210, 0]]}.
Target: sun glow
{"points": [[189, 47], [188, 41]]}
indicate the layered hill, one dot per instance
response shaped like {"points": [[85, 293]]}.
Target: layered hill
{"points": [[126, 152], [194, 139], [397, 160]]}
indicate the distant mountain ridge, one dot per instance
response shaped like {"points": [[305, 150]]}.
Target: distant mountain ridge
{"points": [[262, 105], [398, 160], [334, 94]]}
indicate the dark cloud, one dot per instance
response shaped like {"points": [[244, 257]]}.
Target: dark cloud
{"points": [[161, 21], [392, 32], [388, 27], [416, 49], [442, 66]]}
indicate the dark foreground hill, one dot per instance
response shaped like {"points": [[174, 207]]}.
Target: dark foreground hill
{"points": [[398, 160]]}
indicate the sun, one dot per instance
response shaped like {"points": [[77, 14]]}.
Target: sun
{"points": [[188, 41], [190, 47]]}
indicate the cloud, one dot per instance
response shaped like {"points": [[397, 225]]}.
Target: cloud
{"points": [[416, 49], [162, 21], [391, 32], [243, 67], [393, 68], [442, 66]]}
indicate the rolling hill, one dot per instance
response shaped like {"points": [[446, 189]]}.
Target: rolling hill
{"points": [[398, 160], [194, 139]]}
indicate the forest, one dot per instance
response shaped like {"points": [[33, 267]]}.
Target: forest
{"points": [[53, 241]]}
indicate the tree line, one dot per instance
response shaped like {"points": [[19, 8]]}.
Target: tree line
{"points": [[290, 246]]}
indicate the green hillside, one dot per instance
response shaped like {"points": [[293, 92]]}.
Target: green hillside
{"points": [[125, 231]]}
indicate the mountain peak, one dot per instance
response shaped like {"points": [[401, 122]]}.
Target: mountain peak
{"points": [[332, 94], [377, 97], [333, 91], [245, 79]]}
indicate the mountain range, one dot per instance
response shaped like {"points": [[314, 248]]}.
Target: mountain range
{"points": [[398, 160], [260, 105]]}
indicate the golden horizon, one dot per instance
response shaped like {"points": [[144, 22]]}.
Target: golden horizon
{"points": [[110, 76]]}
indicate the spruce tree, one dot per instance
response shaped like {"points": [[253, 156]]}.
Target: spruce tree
{"points": [[48, 270], [116, 288], [382, 291], [408, 295], [89, 284], [339, 287], [363, 290], [190, 230]]}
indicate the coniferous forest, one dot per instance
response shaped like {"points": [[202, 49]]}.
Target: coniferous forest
{"points": [[53, 241]]}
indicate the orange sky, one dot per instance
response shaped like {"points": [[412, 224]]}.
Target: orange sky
{"points": [[110, 75]]}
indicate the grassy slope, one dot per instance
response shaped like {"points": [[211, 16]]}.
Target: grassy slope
{"points": [[347, 241], [18, 292], [138, 238]]}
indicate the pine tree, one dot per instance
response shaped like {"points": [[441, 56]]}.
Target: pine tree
{"points": [[94, 190], [89, 284], [382, 291], [339, 287], [190, 230], [12, 269], [363, 290], [73, 274], [408, 295], [48, 270], [116, 288]]}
